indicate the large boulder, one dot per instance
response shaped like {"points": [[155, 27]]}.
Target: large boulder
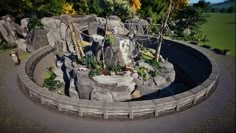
{"points": [[7, 30], [85, 85], [159, 80], [165, 76], [119, 52], [39, 39], [120, 87], [13, 33], [115, 25], [101, 95], [50, 23], [140, 26], [118, 80]]}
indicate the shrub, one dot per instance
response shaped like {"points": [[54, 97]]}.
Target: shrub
{"points": [[143, 72], [89, 61], [222, 10], [50, 81], [34, 23], [213, 10], [186, 24], [230, 9], [94, 72], [116, 69]]}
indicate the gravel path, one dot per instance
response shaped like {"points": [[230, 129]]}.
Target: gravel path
{"points": [[10, 122], [216, 114]]}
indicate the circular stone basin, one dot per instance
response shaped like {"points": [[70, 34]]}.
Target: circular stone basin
{"points": [[197, 69]]}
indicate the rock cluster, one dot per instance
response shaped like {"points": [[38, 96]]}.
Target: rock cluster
{"points": [[9, 30], [165, 76]]}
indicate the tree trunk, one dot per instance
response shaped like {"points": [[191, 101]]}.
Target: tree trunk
{"points": [[162, 29]]}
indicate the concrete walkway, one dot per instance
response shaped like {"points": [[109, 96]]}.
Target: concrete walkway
{"points": [[179, 122]]}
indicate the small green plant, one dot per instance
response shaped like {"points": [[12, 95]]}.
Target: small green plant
{"points": [[34, 23], [146, 54], [94, 72], [50, 81], [90, 61], [143, 72], [153, 73], [109, 39], [116, 69], [153, 63]]}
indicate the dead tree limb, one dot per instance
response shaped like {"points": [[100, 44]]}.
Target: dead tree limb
{"points": [[161, 31], [78, 49]]}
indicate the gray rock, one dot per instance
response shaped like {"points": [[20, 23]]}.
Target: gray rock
{"points": [[110, 58], [149, 82], [127, 73], [159, 80], [121, 96], [50, 23], [54, 37], [101, 21], [170, 77], [118, 53], [126, 81], [135, 75], [21, 44], [7, 31], [140, 26], [59, 78], [114, 21], [24, 22], [166, 65], [141, 63], [145, 91], [103, 96], [57, 71], [85, 85], [92, 28], [39, 39]]}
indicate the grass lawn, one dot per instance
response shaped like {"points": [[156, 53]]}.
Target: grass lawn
{"points": [[220, 31]]}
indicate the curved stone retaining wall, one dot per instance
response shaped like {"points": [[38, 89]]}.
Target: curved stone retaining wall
{"points": [[108, 110]]}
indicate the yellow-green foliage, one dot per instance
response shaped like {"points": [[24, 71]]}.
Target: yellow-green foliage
{"points": [[135, 5], [68, 9], [23, 55]]}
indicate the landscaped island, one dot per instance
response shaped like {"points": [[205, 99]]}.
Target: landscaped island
{"points": [[104, 62]]}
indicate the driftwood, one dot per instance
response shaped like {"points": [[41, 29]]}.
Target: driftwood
{"points": [[78, 49]]}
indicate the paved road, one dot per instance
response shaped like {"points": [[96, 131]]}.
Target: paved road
{"points": [[179, 122]]}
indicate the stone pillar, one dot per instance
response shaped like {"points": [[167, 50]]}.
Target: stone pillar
{"points": [[80, 111], [131, 114], [177, 107], [30, 93], [42, 100], [105, 115], [195, 100], [156, 113], [206, 93], [59, 107]]}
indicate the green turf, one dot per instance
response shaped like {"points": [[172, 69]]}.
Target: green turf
{"points": [[220, 31]]}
